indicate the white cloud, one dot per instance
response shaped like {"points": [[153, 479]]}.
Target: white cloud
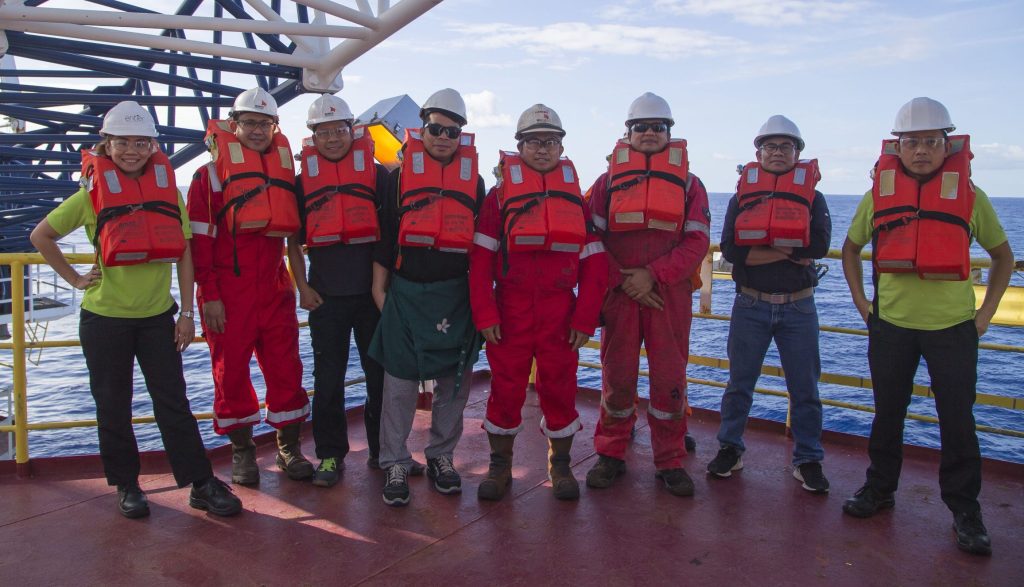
{"points": [[998, 156], [760, 13], [482, 110]]}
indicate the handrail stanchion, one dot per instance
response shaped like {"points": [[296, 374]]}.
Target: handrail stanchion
{"points": [[706, 277], [23, 466]]}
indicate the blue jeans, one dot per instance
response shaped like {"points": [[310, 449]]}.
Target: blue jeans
{"points": [[794, 326]]}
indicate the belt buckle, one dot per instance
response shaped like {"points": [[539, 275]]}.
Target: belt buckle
{"points": [[778, 298]]}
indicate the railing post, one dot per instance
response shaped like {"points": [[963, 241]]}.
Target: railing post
{"points": [[706, 277], [18, 339]]}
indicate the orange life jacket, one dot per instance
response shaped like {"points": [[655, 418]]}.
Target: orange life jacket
{"points": [[339, 197], [255, 201], [540, 212], [924, 228], [775, 210], [437, 203], [137, 220], [648, 191]]}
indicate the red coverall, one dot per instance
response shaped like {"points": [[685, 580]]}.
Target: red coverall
{"points": [[535, 305], [259, 308], [671, 257]]}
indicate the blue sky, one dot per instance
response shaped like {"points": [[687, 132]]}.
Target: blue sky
{"points": [[840, 70]]}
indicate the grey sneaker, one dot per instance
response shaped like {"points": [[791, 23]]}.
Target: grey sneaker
{"points": [[729, 459], [442, 472], [811, 476], [416, 469], [396, 486]]}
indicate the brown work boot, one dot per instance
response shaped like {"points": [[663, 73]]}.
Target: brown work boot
{"points": [[244, 470], [499, 474], [563, 483], [605, 471], [289, 454]]}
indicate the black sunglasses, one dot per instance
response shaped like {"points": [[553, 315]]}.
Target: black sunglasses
{"points": [[436, 129], [642, 127]]}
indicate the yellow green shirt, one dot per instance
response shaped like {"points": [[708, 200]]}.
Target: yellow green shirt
{"points": [[131, 291], [910, 302]]}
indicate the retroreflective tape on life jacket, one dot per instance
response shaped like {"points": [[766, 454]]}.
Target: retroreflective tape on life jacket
{"points": [[257, 187], [924, 228], [540, 212], [340, 196], [775, 209], [648, 191], [137, 220], [437, 203]]}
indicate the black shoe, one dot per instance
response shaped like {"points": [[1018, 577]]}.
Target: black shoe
{"points": [[677, 481], [442, 472], [690, 442], [971, 535], [416, 469], [727, 460], [866, 502], [605, 471], [131, 501], [396, 487], [811, 476], [214, 496]]}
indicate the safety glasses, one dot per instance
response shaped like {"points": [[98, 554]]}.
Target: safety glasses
{"points": [[642, 127], [436, 130]]}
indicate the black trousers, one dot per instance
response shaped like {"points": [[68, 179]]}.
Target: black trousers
{"points": [[111, 346], [331, 326], [952, 358]]}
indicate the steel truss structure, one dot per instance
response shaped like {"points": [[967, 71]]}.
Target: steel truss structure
{"points": [[185, 64]]}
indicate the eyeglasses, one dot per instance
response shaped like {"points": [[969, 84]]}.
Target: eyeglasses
{"points": [[549, 144], [436, 129], [784, 148], [327, 133], [125, 144], [929, 143], [249, 124], [642, 127]]}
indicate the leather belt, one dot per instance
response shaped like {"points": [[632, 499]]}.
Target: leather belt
{"points": [[778, 298]]}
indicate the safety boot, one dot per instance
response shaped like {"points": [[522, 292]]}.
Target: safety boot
{"points": [[289, 454], [563, 483], [244, 470], [499, 474]]}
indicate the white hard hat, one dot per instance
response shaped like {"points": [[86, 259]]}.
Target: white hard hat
{"points": [[649, 106], [448, 102], [539, 118], [922, 114], [779, 125], [128, 119], [255, 100], [328, 108]]}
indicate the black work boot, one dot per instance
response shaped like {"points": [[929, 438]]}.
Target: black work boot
{"points": [[244, 470], [563, 483], [289, 454], [604, 472], [131, 501], [499, 474]]}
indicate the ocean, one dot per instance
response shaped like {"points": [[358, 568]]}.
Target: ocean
{"points": [[58, 385]]}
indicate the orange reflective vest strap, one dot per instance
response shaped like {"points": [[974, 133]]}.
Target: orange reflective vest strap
{"points": [[339, 197], [774, 209], [648, 191], [923, 228], [436, 203], [257, 187], [540, 212], [137, 220]]}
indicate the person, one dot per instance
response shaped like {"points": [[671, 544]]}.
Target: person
{"points": [[777, 223], [654, 220], [241, 205], [534, 244], [132, 212], [421, 286], [338, 191], [920, 216]]}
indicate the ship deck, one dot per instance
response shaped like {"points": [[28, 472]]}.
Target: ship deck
{"points": [[757, 528]]}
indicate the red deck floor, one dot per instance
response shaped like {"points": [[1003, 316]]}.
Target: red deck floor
{"points": [[757, 528]]}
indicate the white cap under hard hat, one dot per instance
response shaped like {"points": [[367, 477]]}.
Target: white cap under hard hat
{"points": [[539, 118], [128, 119], [779, 125], [255, 100], [649, 107], [328, 108], [448, 102], [922, 114]]}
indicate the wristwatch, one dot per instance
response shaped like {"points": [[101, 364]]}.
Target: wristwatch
{"points": [[190, 314]]}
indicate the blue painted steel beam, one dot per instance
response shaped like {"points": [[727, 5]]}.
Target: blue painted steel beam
{"points": [[64, 99]]}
